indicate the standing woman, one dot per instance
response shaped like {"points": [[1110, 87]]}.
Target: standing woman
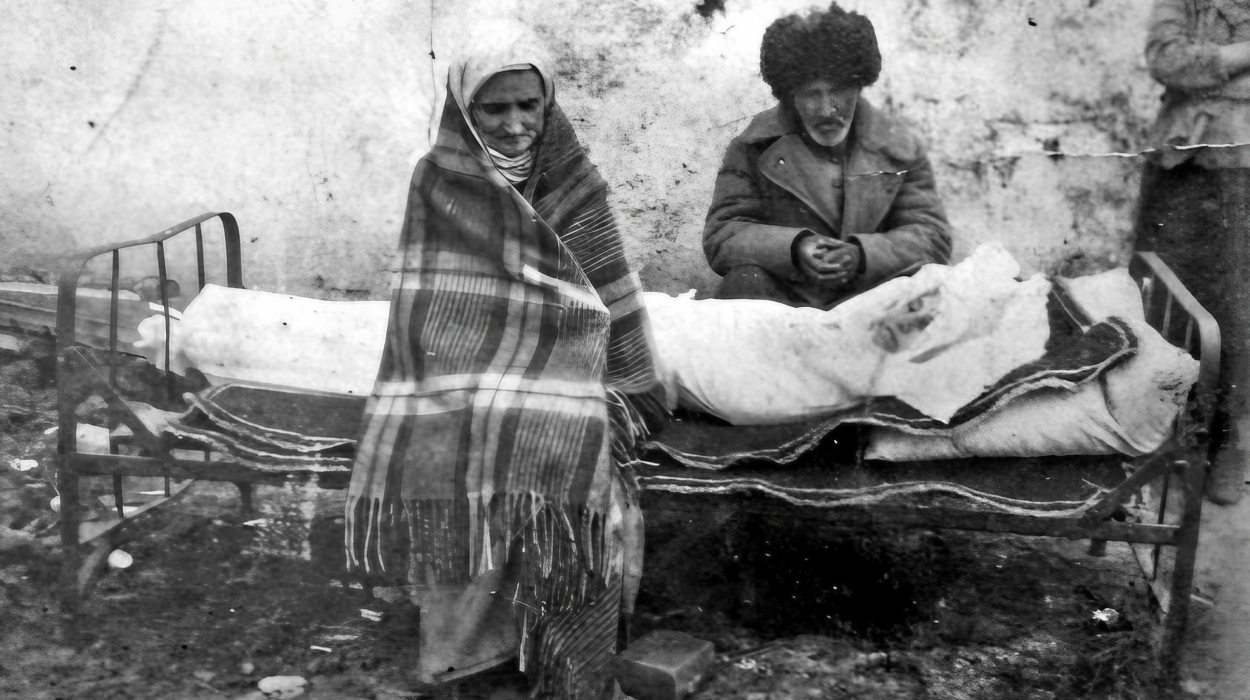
{"points": [[489, 466], [1195, 201]]}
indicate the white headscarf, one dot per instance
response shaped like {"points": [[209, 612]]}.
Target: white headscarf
{"points": [[499, 47]]}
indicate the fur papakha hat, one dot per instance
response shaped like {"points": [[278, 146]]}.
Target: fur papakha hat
{"points": [[830, 44]]}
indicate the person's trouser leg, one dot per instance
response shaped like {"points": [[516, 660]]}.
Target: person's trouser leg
{"points": [[467, 628], [1228, 472], [1196, 220]]}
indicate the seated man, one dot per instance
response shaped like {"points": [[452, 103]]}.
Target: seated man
{"points": [[823, 196]]}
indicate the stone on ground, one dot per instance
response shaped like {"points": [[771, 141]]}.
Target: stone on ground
{"points": [[282, 686], [662, 665]]}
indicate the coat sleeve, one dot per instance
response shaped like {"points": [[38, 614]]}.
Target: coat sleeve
{"points": [[1177, 58], [914, 232], [735, 233]]}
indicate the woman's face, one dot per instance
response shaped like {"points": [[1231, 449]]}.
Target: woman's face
{"points": [[508, 111], [826, 111]]}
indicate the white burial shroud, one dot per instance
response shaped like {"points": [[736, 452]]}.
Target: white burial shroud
{"points": [[749, 362], [760, 362]]}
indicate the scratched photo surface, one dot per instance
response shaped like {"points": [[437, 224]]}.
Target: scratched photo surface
{"points": [[287, 135]]}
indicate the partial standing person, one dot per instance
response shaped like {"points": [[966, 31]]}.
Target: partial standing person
{"points": [[488, 472], [1195, 197], [823, 196]]}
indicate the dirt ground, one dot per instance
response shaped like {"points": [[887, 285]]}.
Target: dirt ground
{"points": [[210, 606]]}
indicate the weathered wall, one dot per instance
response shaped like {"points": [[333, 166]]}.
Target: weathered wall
{"points": [[305, 119]]}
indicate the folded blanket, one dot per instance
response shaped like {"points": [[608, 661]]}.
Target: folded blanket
{"points": [[1073, 357], [1129, 409], [271, 429], [276, 429]]}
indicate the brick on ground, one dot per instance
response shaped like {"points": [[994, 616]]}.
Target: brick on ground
{"points": [[662, 665]]}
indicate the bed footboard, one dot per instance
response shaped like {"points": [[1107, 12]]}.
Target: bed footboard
{"points": [[75, 382], [1176, 498]]}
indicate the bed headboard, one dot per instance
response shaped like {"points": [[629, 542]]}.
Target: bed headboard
{"points": [[72, 268], [69, 317]]}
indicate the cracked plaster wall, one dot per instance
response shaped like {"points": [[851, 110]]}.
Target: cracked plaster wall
{"points": [[305, 119]]}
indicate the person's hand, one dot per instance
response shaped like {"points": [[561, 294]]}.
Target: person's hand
{"points": [[899, 328], [899, 331], [827, 260]]}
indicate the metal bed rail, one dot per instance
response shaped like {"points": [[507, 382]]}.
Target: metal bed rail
{"points": [[1171, 309], [70, 464]]}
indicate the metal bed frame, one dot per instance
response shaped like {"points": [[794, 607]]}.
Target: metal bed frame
{"points": [[1157, 508]]}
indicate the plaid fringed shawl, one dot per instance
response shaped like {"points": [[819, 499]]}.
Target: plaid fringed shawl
{"points": [[510, 325]]}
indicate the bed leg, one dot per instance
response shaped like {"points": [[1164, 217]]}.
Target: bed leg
{"points": [[1097, 548], [245, 497], [71, 555], [624, 632], [1177, 619]]}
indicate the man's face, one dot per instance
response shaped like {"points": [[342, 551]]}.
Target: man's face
{"points": [[508, 111], [826, 111]]}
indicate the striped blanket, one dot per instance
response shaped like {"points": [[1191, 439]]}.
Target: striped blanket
{"points": [[489, 422]]}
